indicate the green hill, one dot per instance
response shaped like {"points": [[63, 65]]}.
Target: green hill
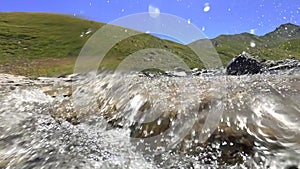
{"points": [[42, 44], [279, 44], [48, 44]]}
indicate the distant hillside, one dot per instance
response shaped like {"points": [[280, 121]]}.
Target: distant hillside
{"points": [[48, 44], [281, 43], [42, 44]]}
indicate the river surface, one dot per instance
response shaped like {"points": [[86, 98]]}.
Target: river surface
{"points": [[133, 121]]}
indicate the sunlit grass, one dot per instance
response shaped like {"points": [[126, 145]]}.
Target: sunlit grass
{"points": [[38, 44]]}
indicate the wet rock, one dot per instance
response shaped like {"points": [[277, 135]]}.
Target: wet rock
{"points": [[246, 64], [3, 163], [55, 90], [12, 87], [46, 79], [49, 91], [62, 76], [67, 92], [178, 72], [64, 111], [12, 80], [280, 64], [231, 143], [292, 167], [196, 71], [227, 145], [152, 72], [243, 64]]}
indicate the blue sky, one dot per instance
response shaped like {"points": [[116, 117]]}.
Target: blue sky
{"points": [[214, 17]]}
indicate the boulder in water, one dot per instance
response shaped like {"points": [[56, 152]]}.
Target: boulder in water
{"points": [[243, 64]]}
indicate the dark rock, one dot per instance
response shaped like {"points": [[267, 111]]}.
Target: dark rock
{"points": [[243, 64], [292, 167], [12, 87], [62, 76], [246, 64], [152, 72]]}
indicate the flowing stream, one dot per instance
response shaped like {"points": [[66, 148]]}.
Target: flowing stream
{"points": [[133, 121]]}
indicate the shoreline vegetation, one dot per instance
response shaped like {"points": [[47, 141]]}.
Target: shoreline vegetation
{"points": [[42, 44]]}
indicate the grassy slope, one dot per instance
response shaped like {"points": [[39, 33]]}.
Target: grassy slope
{"points": [[48, 44], [281, 43], [44, 44]]}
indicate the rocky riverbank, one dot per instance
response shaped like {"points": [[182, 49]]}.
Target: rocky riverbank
{"points": [[247, 64]]}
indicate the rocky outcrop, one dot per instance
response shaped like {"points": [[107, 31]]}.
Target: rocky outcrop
{"points": [[247, 64], [243, 64]]}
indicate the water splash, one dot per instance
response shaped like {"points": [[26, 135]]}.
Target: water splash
{"points": [[119, 115]]}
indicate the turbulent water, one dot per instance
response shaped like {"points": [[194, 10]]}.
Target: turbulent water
{"points": [[133, 121]]}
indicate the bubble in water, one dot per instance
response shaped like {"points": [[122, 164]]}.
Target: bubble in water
{"points": [[206, 7], [154, 12]]}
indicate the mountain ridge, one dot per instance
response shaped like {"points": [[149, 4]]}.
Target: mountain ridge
{"points": [[273, 45]]}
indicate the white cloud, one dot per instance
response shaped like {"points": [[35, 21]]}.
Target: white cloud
{"points": [[252, 31]]}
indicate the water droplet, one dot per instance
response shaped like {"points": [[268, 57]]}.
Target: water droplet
{"points": [[122, 10], [203, 28], [252, 44], [154, 12], [88, 31], [189, 21], [206, 7], [159, 122], [252, 31]]}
